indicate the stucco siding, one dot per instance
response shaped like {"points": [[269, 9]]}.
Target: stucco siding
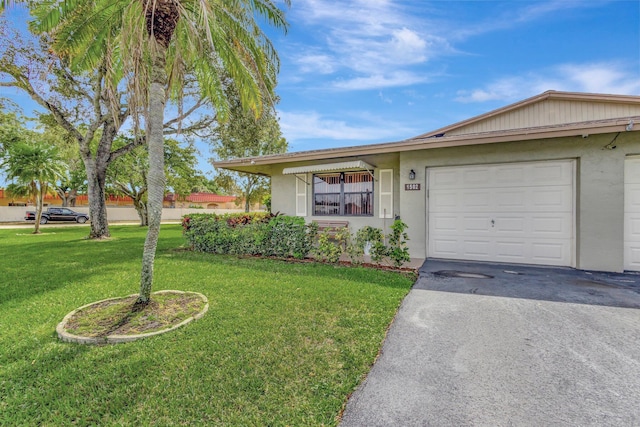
{"points": [[599, 188], [551, 112]]}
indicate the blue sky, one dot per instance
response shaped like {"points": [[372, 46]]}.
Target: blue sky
{"points": [[366, 71]]}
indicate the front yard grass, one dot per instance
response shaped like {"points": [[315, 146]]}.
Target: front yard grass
{"points": [[282, 344]]}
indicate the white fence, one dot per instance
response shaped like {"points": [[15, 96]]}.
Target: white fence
{"points": [[114, 213]]}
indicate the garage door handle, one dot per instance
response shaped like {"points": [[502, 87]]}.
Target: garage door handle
{"points": [[493, 223]]}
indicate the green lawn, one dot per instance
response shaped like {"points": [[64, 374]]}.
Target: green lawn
{"points": [[282, 343]]}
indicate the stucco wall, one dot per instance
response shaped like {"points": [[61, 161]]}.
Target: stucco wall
{"points": [[283, 192], [114, 214], [599, 188]]}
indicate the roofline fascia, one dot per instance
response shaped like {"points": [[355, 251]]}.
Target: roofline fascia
{"points": [[425, 143]]}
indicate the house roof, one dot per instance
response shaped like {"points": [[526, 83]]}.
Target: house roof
{"points": [[551, 114]]}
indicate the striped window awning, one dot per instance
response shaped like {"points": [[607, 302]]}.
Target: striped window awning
{"points": [[327, 167]]}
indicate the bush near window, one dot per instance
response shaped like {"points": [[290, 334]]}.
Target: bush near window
{"points": [[248, 234], [289, 237]]}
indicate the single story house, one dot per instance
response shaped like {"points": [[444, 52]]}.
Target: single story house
{"points": [[550, 180]]}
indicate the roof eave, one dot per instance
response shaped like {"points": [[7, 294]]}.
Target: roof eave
{"points": [[256, 164]]}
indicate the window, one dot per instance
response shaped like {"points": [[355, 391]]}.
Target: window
{"points": [[343, 194]]}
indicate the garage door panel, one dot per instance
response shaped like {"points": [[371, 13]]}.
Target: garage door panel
{"points": [[516, 224], [632, 171], [475, 224], [632, 225], [549, 253], [444, 248], [551, 173], [511, 174], [477, 200], [554, 199], [476, 177], [444, 201], [509, 198], [445, 179], [632, 197], [478, 248], [632, 214], [632, 258], [511, 251], [509, 213], [445, 223], [549, 226]]}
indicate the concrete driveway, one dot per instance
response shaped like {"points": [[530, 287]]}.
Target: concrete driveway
{"points": [[523, 346]]}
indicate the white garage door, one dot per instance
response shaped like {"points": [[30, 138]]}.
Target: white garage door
{"points": [[632, 214], [515, 212]]}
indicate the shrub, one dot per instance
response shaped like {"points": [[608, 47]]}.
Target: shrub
{"points": [[372, 237], [247, 233], [332, 244], [287, 236], [398, 250]]}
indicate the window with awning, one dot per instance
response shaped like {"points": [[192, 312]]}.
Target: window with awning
{"points": [[343, 194], [328, 167]]}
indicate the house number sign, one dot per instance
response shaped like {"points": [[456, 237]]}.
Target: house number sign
{"points": [[412, 187]]}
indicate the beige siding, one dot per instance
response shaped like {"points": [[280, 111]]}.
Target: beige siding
{"points": [[550, 113]]}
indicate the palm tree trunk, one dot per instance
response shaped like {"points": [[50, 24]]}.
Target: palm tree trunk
{"points": [[156, 178]]}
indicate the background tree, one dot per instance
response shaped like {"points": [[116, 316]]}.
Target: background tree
{"points": [[88, 104], [202, 184], [244, 135], [11, 129], [74, 179], [128, 174], [34, 168]]}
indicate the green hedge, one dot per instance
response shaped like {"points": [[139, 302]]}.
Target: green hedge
{"points": [[248, 234], [285, 236]]}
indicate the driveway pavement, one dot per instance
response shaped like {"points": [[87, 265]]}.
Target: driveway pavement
{"points": [[523, 346]]}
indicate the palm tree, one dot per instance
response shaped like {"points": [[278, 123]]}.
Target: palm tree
{"points": [[34, 169], [157, 43]]}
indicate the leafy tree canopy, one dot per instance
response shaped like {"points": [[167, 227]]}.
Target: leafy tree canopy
{"points": [[244, 135]]}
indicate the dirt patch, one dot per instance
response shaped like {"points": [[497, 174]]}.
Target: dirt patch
{"points": [[122, 317]]}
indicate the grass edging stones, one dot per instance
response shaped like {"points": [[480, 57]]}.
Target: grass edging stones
{"points": [[113, 314]]}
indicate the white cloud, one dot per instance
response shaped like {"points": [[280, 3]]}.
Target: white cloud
{"points": [[318, 63], [311, 125], [393, 79], [603, 77], [376, 41]]}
